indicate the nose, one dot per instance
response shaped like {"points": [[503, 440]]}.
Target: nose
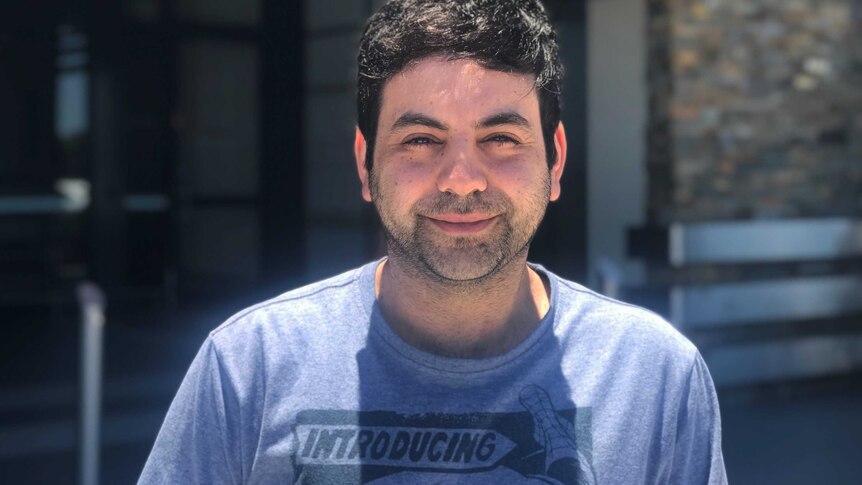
{"points": [[462, 172]]}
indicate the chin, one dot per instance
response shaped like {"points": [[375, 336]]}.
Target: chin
{"points": [[464, 268]]}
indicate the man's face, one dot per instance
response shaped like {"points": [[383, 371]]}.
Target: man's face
{"points": [[460, 176]]}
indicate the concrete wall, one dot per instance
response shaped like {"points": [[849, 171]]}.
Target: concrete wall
{"points": [[617, 104]]}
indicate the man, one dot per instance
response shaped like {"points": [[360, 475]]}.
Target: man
{"points": [[452, 360]]}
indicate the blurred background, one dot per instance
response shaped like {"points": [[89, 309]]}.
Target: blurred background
{"points": [[193, 157]]}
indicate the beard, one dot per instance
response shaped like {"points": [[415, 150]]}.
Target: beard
{"points": [[422, 247]]}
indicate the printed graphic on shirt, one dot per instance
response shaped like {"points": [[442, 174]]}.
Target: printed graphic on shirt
{"points": [[540, 444]]}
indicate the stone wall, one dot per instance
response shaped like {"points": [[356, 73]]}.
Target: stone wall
{"points": [[755, 109]]}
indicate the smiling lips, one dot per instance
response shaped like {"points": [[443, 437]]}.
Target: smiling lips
{"points": [[462, 223]]}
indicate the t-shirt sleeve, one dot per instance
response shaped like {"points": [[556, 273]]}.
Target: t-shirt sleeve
{"points": [[697, 457], [193, 444]]}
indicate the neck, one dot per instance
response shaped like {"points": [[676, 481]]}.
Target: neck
{"points": [[462, 319]]}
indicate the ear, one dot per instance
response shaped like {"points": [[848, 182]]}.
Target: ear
{"points": [[560, 162], [359, 150]]}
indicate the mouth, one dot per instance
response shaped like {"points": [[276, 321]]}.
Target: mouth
{"points": [[462, 223]]}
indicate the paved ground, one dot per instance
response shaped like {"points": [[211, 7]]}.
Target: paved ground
{"points": [[793, 437]]}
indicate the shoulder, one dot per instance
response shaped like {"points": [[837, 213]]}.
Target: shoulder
{"points": [[625, 329], [309, 308]]}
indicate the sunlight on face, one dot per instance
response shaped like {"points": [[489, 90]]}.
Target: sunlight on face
{"points": [[460, 178]]}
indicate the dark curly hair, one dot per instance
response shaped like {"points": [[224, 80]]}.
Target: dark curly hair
{"points": [[504, 35]]}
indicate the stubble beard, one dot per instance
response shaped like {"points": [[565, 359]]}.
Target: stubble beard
{"points": [[460, 261]]}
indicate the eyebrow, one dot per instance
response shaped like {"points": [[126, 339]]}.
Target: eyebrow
{"points": [[411, 118], [504, 118]]}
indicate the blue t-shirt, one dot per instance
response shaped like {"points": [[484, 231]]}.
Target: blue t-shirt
{"points": [[314, 387]]}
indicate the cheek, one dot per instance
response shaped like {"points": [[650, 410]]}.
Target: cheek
{"points": [[405, 182], [408, 174], [522, 177]]}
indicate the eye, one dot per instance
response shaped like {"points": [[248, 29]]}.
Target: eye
{"points": [[420, 141], [502, 140]]}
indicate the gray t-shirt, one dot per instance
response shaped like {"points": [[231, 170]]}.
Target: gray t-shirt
{"points": [[314, 387]]}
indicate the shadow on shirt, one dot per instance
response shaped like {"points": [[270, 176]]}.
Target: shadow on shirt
{"points": [[429, 419]]}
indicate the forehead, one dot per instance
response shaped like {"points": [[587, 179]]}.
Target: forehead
{"points": [[457, 89]]}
